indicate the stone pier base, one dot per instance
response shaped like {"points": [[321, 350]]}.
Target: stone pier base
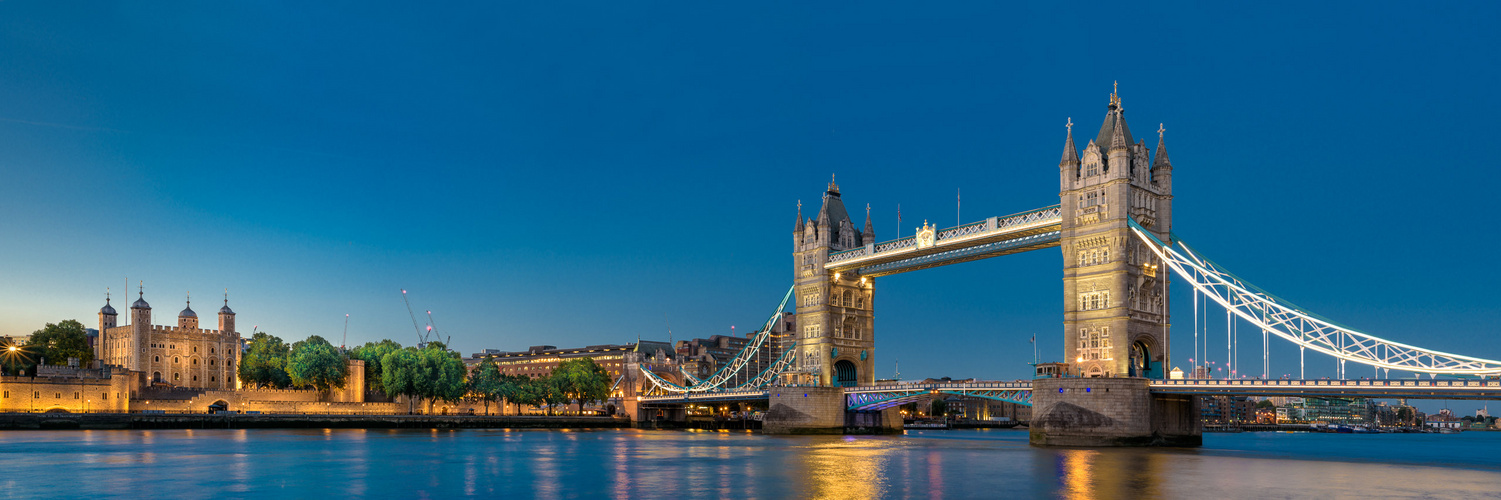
{"points": [[805, 410], [1097, 412]]}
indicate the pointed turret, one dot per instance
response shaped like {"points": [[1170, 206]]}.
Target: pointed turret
{"points": [[869, 236], [1118, 139], [798, 227], [1160, 159], [1070, 152]]}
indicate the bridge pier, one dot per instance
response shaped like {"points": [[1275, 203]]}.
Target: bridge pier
{"points": [[1099, 412], [823, 410]]}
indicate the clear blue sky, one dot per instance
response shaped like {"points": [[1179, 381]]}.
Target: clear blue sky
{"points": [[572, 173]]}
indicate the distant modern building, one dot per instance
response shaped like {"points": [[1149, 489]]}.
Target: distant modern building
{"points": [[181, 356], [1338, 411], [540, 360]]}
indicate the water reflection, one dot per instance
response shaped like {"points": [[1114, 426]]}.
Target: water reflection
{"points": [[1108, 473], [651, 464], [844, 468]]}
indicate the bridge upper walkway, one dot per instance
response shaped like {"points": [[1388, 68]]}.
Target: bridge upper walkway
{"points": [[1015, 233]]}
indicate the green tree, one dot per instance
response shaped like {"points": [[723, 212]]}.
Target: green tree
{"points": [[549, 391], [487, 382], [372, 353], [265, 362], [316, 363], [57, 342], [523, 391], [400, 371], [1266, 404], [449, 375], [582, 380], [939, 407]]}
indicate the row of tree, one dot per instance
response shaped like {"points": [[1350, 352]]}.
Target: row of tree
{"points": [[313, 363], [435, 373], [432, 372]]}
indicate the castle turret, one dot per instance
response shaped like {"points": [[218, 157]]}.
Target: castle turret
{"points": [[187, 318], [226, 318], [140, 330], [107, 319]]}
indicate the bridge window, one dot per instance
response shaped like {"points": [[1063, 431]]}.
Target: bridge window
{"points": [[860, 301]]}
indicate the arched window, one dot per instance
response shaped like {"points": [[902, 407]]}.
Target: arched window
{"points": [[176, 360], [156, 359], [176, 377]]}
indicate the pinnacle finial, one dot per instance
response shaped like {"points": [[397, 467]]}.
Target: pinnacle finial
{"points": [[1070, 125], [867, 210], [226, 297], [106, 295], [1160, 130], [142, 286], [190, 297]]}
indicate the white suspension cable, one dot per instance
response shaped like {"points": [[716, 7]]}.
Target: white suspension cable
{"points": [[1301, 327]]}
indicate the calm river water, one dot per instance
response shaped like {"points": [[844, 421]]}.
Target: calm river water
{"points": [[658, 464]]}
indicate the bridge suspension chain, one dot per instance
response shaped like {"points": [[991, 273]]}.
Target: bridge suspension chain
{"points": [[734, 369], [1305, 329]]}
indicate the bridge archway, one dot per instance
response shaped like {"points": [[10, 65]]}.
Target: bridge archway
{"points": [[1141, 359], [845, 373]]}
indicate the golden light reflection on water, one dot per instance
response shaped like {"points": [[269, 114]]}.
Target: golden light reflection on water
{"points": [[1111, 473], [1077, 482], [845, 468]]}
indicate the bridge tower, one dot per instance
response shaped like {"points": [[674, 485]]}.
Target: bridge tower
{"points": [[835, 318], [1115, 320]]}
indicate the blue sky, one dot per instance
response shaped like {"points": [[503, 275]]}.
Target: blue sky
{"points": [[574, 173]]}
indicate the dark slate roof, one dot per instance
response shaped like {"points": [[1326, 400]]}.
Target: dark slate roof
{"points": [[1107, 130], [833, 208], [140, 303], [107, 309], [187, 313]]}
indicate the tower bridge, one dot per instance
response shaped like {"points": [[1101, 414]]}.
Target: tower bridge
{"points": [[1113, 226]]}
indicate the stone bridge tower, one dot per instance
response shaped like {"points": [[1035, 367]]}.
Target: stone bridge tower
{"points": [[835, 319], [1115, 320]]}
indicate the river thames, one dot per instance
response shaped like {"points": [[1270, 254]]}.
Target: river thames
{"points": [[656, 464]]}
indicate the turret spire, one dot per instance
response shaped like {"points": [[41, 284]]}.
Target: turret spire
{"points": [[1161, 160], [799, 226], [1070, 152], [1118, 138], [870, 229]]}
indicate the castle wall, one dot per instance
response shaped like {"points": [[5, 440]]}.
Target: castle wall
{"points": [[70, 390]]}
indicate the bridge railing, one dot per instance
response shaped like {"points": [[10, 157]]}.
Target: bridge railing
{"points": [[1002, 224], [1326, 383]]}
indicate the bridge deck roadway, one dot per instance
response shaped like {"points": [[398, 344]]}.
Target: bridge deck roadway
{"points": [[887, 395], [1412, 389], [995, 236]]}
